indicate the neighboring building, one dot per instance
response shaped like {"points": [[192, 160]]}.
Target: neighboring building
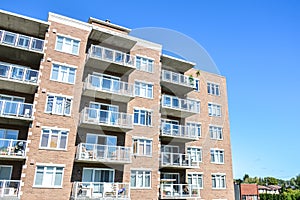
{"points": [[90, 112], [270, 189], [249, 191]]}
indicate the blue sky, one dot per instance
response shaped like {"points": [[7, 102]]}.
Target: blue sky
{"points": [[255, 44]]}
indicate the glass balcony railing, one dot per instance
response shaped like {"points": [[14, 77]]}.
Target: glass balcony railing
{"points": [[15, 109], [109, 85], [175, 130], [110, 55], [9, 147], [103, 153], [100, 190], [177, 160], [181, 104], [106, 117], [178, 79], [179, 191], [18, 73], [21, 41], [10, 189]]}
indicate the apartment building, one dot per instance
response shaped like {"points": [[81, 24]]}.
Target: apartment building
{"points": [[89, 112]]}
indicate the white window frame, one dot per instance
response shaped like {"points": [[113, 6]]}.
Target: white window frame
{"points": [[58, 140], [215, 132], [53, 174], [195, 125], [55, 96], [139, 84], [145, 68], [11, 169], [217, 155], [214, 110], [212, 89], [191, 148], [218, 179], [144, 140], [6, 130], [99, 169], [148, 113], [12, 98], [144, 171], [192, 174], [64, 41], [59, 78]]}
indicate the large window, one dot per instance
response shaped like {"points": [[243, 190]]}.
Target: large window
{"points": [[48, 176], [143, 89], [140, 179], [195, 153], [214, 110], [216, 133], [67, 45], [103, 175], [194, 128], [54, 139], [144, 64], [58, 105], [142, 117], [63, 73], [195, 179], [213, 89], [218, 181], [217, 156], [142, 147], [9, 134]]}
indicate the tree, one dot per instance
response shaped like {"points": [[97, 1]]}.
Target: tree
{"points": [[297, 181]]}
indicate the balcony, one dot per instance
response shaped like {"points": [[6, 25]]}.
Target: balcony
{"points": [[12, 149], [15, 112], [103, 153], [107, 120], [21, 47], [110, 60], [180, 132], [10, 189], [106, 88], [177, 160], [99, 190], [18, 78], [182, 108], [179, 191], [177, 83]]}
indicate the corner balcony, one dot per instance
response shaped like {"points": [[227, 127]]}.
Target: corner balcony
{"points": [[106, 88], [110, 60], [179, 191], [177, 83], [177, 160], [179, 132], [14, 46], [18, 78], [96, 153], [10, 189], [12, 149], [100, 190], [182, 108], [13, 112], [105, 119]]}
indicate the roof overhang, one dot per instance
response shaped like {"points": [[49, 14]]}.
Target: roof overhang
{"points": [[173, 63]]}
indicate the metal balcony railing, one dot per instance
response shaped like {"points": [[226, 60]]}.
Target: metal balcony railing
{"points": [[18, 73], [100, 190], [106, 117], [21, 41], [178, 79], [175, 130], [179, 191], [181, 104], [103, 153], [177, 160], [10, 189], [13, 109], [9, 147]]}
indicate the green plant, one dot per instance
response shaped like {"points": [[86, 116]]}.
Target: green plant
{"points": [[198, 73]]}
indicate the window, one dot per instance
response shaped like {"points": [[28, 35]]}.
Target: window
{"points": [[195, 153], [101, 139], [48, 176], [58, 105], [218, 181], [216, 133], [194, 128], [5, 172], [63, 73], [213, 89], [142, 117], [142, 147], [144, 64], [54, 139], [67, 45], [143, 89], [9, 134], [195, 179], [217, 156], [140, 179], [197, 85], [214, 110], [98, 175]]}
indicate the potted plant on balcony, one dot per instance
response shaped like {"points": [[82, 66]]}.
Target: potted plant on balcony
{"points": [[191, 79]]}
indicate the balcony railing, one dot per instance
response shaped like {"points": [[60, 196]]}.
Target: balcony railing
{"points": [[13, 109], [100, 190], [103, 153], [18, 73], [106, 117], [10, 189], [176, 103], [21, 41], [177, 160], [10, 147], [177, 78], [110, 55], [175, 130], [109, 85], [179, 191]]}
